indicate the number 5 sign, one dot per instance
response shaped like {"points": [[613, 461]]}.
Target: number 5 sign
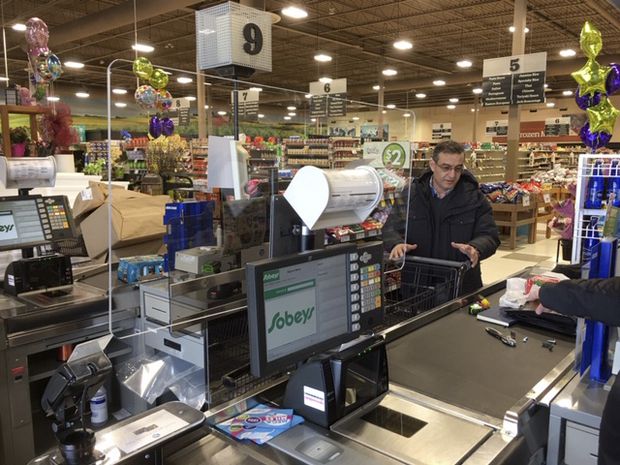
{"points": [[233, 34]]}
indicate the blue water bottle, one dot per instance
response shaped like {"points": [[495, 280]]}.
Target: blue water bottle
{"points": [[591, 246], [613, 186], [596, 184]]}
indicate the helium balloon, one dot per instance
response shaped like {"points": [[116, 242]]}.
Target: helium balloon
{"points": [[142, 68], [167, 126], [164, 100], [54, 66], [594, 140], [612, 84], [42, 71], [591, 77], [603, 116], [145, 96], [159, 79], [586, 101], [37, 34], [155, 127], [590, 40]]}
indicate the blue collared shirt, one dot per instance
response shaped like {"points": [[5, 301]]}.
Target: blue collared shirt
{"points": [[434, 193]]}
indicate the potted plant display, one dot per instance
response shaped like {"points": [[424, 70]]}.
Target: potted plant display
{"points": [[19, 139]]}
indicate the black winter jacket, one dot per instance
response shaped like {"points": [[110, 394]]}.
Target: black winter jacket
{"points": [[598, 299], [467, 218]]}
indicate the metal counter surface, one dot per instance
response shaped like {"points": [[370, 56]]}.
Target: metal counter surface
{"points": [[455, 361]]}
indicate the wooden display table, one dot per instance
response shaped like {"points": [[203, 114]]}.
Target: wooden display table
{"points": [[5, 110], [544, 211], [512, 216]]}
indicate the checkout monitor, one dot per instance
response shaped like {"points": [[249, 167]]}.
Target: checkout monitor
{"points": [[301, 305], [31, 221]]}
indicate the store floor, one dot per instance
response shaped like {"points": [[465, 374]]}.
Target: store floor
{"points": [[505, 262]]}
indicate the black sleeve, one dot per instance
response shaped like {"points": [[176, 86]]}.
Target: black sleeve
{"points": [[597, 299], [486, 236]]}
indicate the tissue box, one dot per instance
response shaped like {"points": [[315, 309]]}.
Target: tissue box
{"points": [[133, 269]]}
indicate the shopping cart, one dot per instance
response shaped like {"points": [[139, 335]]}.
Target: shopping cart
{"points": [[421, 284]]}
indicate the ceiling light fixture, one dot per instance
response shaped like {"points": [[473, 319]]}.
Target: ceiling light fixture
{"points": [[403, 44], [384, 111], [406, 115], [19, 27], [191, 98], [567, 92], [322, 57], [420, 95], [313, 120], [464, 63], [513, 29], [439, 82], [355, 118], [53, 98], [473, 110], [120, 104], [184, 80], [550, 104], [567, 53], [291, 108], [221, 113], [477, 90], [287, 118], [325, 80], [450, 107], [389, 72], [119, 91], [294, 12], [256, 89], [143, 48], [308, 95], [73, 64], [166, 72], [376, 87], [260, 115], [292, 113], [4, 79], [390, 106], [206, 107], [454, 100], [82, 94]]}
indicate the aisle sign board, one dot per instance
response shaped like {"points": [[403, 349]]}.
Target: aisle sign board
{"points": [[516, 79], [442, 131], [179, 112], [394, 155], [496, 127], [247, 100], [328, 99], [557, 126], [233, 34]]}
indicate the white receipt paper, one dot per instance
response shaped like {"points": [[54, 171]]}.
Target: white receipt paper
{"points": [[40, 169]]}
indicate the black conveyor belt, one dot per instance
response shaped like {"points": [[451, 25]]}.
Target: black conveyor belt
{"points": [[454, 360]]}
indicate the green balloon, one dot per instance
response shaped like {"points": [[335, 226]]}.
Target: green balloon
{"points": [[142, 68], [159, 79]]}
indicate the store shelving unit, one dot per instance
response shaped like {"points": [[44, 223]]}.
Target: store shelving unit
{"points": [[488, 165], [345, 150], [262, 156], [99, 149], [199, 154], [333, 152]]}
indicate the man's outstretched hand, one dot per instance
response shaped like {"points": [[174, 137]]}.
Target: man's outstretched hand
{"points": [[400, 250], [471, 252]]}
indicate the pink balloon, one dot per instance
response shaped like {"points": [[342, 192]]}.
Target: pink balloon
{"points": [[37, 37], [36, 23]]}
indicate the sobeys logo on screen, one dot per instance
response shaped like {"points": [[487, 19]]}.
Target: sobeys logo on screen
{"points": [[300, 317], [271, 276], [5, 228]]}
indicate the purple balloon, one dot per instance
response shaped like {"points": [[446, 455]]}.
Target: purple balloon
{"points": [[586, 101], [594, 140], [612, 84], [155, 127], [167, 126]]}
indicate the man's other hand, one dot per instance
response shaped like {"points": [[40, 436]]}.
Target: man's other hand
{"points": [[471, 252], [400, 250]]}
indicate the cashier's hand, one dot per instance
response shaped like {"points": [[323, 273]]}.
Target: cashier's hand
{"points": [[400, 250], [471, 252]]}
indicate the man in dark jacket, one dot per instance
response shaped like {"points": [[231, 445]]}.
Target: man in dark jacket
{"points": [[598, 299], [449, 218]]}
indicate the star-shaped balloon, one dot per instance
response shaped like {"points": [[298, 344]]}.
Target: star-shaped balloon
{"points": [[591, 77], [590, 40], [603, 116]]}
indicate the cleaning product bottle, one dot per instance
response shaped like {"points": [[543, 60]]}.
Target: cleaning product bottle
{"points": [[591, 243], [99, 407], [613, 185], [596, 184]]}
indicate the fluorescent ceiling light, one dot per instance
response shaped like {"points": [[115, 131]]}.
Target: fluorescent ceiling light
{"points": [[294, 12], [4, 78], [313, 120], [325, 80], [53, 98], [291, 108], [567, 92], [376, 87], [73, 64], [465, 63], [439, 82], [406, 115], [389, 72], [119, 91], [308, 95], [256, 89], [390, 106], [567, 52], [384, 111], [403, 44], [322, 57], [355, 118], [550, 104], [548, 89], [287, 118], [184, 80], [19, 27], [120, 104], [420, 95], [454, 100], [206, 107], [166, 72], [477, 90], [191, 98], [143, 48], [221, 112], [513, 29], [472, 110], [450, 107], [260, 115], [292, 113], [82, 94], [545, 85]]}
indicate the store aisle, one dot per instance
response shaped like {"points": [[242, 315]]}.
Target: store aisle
{"points": [[506, 262]]}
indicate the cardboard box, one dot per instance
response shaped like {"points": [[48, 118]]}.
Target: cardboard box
{"points": [[135, 218], [92, 197]]}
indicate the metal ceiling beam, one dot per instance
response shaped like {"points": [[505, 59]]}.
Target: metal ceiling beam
{"points": [[605, 13]]}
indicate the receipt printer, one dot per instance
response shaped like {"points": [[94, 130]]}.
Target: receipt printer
{"points": [[31, 274]]}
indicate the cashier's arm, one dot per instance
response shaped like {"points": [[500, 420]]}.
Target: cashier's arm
{"points": [[400, 250]]}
